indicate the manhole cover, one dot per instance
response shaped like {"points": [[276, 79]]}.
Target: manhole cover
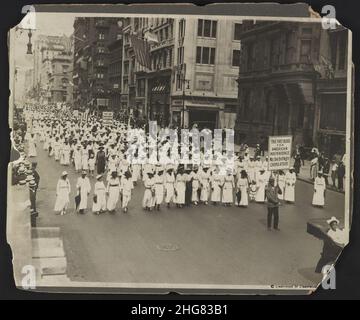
{"points": [[168, 247]]}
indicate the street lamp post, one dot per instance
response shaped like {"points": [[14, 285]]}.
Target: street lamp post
{"points": [[184, 82]]}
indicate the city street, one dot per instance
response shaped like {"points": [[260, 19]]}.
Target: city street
{"points": [[204, 244]]}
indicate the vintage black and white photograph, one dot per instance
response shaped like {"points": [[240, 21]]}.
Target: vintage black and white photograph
{"points": [[194, 152]]}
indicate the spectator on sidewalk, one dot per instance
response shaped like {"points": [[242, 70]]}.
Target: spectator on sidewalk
{"points": [[326, 170], [314, 167], [341, 175], [334, 169], [297, 163]]}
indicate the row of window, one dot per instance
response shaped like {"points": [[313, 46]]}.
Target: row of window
{"points": [[206, 55]]}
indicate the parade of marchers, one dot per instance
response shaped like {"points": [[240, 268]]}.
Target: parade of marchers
{"points": [[100, 155]]}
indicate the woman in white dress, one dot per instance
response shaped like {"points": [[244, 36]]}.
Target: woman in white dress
{"points": [[228, 189], [62, 194], [32, 146], [99, 201], [56, 147], [243, 187], [126, 186], [281, 184], [195, 186], [159, 180], [205, 185], [261, 182], [149, 193], [83, 189], [65, 154], [290, 180], [217, 182], [169, 186], [113, 191], [180, 188], [319, 191]]}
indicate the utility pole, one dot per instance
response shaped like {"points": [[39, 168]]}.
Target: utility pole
{"points": [[184, 82]]}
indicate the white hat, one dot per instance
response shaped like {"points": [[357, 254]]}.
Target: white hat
{"points": [[64, 173], [332, 219], [98, 176]]}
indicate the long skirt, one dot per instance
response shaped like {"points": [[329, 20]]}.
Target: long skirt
{"points": [[244, 201], [113, 198], [100, 204], [62, 201], [148, 200], [126, 197], [159, 194], [289, 194], [169, 190], [227, 196], [205, 190], [319, 198]]}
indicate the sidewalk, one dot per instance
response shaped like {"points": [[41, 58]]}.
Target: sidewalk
{"points": [[304, 174]]}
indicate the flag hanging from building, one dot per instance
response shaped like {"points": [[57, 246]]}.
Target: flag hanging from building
{"points": [[151, 37], [141, 50]]}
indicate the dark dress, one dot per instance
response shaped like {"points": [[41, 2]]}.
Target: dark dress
{"points": [[100, 162]]}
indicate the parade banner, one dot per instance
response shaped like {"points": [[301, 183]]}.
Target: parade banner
{"points": [[279, 152], [108, 118]]}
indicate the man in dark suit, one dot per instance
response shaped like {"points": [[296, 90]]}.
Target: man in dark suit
{"points": [[273, 203]]}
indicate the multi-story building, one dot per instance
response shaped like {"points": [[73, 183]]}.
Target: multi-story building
{"points": [[331, 86], [45, 49], [280, 82], [92, 37], [114, 73], [60, 78], [194, 64]]}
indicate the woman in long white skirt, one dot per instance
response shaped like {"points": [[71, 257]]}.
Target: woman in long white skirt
{"points": [[99, 205], [62, 194], [217, 182], [228, 189], [281, 184], [126, 186], [65, 154], [261, 182], [180, 188], [83, 189], [159, 188], [243, 188], [290, 179], [195, 184], [205, 185], [319, 191], [32, 146], [113, 190], [149, 193], [169, 186]]}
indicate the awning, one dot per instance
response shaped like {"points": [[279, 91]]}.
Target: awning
{"points": [[161, 87]]}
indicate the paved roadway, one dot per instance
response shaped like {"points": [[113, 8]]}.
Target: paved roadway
{"points": [[214, 245]]}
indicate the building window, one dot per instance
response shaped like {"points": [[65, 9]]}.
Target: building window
{"points": [[207, 28], [180, 57], [141, 88], [237, 31], [100, 75], [236, 58], [101, 36], [333, 112], [101, 50], [182, 28], [305, 51], [205, 55]]}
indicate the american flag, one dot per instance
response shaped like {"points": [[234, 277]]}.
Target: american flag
{"points": [[141, 50]]}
